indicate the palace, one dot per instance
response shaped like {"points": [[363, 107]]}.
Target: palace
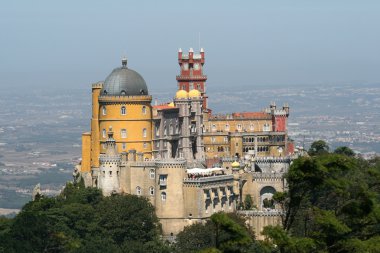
{"points": [[188, 161]]}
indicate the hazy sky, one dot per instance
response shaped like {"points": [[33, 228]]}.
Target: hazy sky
{"points": [[284, 42]]}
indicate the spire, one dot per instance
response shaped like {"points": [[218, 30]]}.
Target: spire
{"points": [[124, 62]]}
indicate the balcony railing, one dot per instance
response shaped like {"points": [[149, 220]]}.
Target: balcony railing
{"points": [[208, 179]]}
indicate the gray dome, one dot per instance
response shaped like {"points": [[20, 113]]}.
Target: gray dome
{"points": [[124, 82]]}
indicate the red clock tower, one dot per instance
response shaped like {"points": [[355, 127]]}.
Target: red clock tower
{"points": [[191, 75]]}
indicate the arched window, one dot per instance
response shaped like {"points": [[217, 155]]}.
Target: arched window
{"points": [[165, 131], [157, 128], [144, 109], [123, 133], [123, 111], [251, 127], [104, 133], [171, 130], [144, 133], [145, 145], [213, 128], [124, 146], [104, 110], [138, 190], [163, 196], [152, 174], [151, 191], [227, 127]]}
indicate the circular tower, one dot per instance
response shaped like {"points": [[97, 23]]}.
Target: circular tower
{"points": [[124, 105]]}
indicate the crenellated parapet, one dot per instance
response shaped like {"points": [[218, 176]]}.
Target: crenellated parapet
{"points": [[171, 163], [124, 99], [259, 176], [271, 159], [256, 213]]}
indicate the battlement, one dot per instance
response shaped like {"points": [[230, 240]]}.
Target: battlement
{"points": [[124, 99], [256, 213], [97, 85], [267, 175], [272, 159]]}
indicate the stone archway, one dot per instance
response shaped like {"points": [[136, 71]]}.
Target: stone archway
{"points": [[266, 197]]}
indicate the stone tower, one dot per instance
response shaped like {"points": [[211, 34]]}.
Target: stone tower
{"points": [[191, 73]]}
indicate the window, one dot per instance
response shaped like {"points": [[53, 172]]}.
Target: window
{"points": [[213, 128], [191, 86], [251, 127], [104, 110], [138, 190], [144, 109], [225, 139], [239, 126], [123, 133], [145, 145], [152, 174], [124, 146], [104, 133], [123, 111], [110, 173], [213, 139], [227, 127], [163, 196], [171, 130], [144, 133], [157, 130], [163, 180], [165, 131], [266, 127], [151, 191]]}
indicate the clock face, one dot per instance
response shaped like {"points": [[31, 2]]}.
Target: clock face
{"points": [[196, 66], [185, 66]]}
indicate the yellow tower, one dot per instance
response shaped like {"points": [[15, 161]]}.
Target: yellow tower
{"points": [[123, 104]]}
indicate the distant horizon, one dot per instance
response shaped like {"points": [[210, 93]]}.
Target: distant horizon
{"points": [[52, 44]]}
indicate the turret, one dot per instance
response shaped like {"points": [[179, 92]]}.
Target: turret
{"points": [[109, 170]]}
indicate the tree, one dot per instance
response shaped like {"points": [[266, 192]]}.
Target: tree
{"points": [[332, 205], [344, 151], [318, 148], [82, 220], [222, 233], [248, 203]]}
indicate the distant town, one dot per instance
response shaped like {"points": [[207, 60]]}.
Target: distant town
{"points": [[40, 130]]}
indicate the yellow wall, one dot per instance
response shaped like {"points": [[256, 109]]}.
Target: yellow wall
{"points": [[134, 121], [95, 126], [247, 125], [86, 152]]}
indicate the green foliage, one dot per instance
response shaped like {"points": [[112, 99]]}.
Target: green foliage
{"points": [[332, 205], [286, 243], [82, 220], [248, 202], [222, 233], [344, 151], [319, 147]]}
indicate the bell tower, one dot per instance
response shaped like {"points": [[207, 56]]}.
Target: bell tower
{"points": [[191, 73]]}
